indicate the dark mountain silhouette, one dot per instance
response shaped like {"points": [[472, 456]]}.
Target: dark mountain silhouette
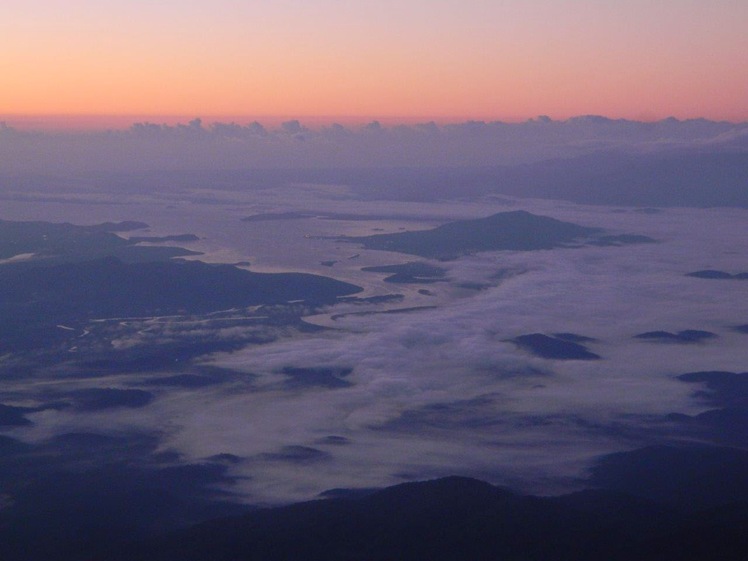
{"points": [[84, 497], [407, 273], [110, 287], [686, 477], [516, 230], [727, 391], [687, 336], [563, 346], [13, 416], [35, 299], [717, 275], [462, 518], [53, 242]]}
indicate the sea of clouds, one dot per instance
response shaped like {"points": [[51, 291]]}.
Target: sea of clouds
{"points": [[434, 391], [442, 389]]}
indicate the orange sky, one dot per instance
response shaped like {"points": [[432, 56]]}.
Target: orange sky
{"points": [[436, 59]]}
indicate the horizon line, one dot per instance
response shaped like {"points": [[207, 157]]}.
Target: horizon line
{"points": [[92, 122]]}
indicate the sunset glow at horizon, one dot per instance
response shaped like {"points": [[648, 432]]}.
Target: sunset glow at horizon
{"points": [[329, 60]]}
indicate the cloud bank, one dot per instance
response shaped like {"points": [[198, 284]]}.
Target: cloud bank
{"points": [[195, 145], [392, 397]]}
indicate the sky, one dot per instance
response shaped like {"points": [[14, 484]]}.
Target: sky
{"points": [[344, 61]]}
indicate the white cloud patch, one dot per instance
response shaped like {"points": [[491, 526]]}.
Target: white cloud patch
{"points": [[443, 390]]}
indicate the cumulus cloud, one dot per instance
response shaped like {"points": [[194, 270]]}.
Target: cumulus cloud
{"points": [[151, 146]]}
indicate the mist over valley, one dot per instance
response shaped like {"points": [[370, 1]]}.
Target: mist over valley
{"points": [[554, 336]]}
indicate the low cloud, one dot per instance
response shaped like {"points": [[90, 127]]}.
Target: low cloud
{"points": [[196, 145], [441, 391]]}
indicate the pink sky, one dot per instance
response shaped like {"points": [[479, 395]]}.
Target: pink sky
{"points": [[445, 60]]}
